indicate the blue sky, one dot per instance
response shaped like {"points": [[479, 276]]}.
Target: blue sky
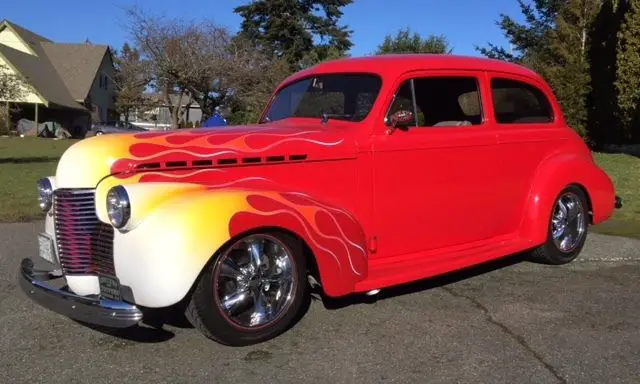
{"points": [[466, 23]]}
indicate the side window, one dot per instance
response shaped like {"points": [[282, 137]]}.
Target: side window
{"points": [[448, 101], [441, 101], [515, 102]]}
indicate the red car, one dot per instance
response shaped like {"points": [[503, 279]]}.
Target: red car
{"points": [[361, 174]]}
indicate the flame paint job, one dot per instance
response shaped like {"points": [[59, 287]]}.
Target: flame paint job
{"points": [[334, 235], [375, 209]]}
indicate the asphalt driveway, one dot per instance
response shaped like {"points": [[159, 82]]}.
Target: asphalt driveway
{"points": [[509, 322]]}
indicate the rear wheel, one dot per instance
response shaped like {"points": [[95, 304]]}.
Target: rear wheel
{"points": [[567, 230], [253, 291]]}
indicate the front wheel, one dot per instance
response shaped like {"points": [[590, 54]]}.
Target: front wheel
{"points": [[567, 230], [252, 292]]}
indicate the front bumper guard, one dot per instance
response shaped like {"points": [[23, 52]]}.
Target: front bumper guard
{"points": [[98, 311]]}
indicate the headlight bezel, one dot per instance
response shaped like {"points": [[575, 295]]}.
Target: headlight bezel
{"points": [[118, 206], [45, 194]]}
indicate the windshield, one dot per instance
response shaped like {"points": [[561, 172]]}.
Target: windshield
{"points": [[338, 96]]}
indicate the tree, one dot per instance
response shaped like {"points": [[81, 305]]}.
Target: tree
{"points": [[566, 61], [603, 115], [205, 64], [528, 40], [132, 76], [253, 76], [291, 29], [189, 61], [406, 42], [628, 72], [11, 89]]}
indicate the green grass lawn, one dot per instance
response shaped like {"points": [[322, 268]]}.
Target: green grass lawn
{"points": [[624, 170], [25, 160], [22, 162]]}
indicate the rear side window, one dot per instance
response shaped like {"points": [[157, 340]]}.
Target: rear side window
{"points": [[515, 102]]}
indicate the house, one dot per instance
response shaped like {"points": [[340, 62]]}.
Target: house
{"points": [[69, 84]]}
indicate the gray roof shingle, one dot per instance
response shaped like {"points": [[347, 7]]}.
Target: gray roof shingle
{"points": [[41, 75], [77, 65]]}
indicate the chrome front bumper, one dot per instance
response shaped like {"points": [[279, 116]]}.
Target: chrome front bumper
{"points": [[108, 313]]}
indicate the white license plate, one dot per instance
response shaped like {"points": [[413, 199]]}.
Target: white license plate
{"points": [[47, 251]]}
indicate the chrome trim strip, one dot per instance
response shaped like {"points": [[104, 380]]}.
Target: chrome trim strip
{"points": [[107, 313]]}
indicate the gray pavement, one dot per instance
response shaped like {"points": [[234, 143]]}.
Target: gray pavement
{"points": [[508, 322]]}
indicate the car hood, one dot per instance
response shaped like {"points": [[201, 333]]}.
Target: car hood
{"points": [[87, 162]]}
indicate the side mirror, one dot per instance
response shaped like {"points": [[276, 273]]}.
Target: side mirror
{"points": [[400, 119]]}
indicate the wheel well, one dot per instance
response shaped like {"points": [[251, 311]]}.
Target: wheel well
{"points": [[312, 265], [589, 204]]}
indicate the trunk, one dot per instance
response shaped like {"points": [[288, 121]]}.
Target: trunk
{"points": [[186, 118], [8, 118], [173, 108], [583, 38]]}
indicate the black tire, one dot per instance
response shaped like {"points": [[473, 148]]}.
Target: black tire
{"points": [[549, 252], [206, 315]]}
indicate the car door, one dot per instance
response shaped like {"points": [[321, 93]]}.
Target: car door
{"points": [[527, 132], [433, 181]]}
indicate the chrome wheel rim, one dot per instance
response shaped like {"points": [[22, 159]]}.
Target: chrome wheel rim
{"points": [[568, 222], [254, 282]]}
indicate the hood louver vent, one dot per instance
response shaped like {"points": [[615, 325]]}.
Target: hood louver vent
{"points": [[228, 161]]}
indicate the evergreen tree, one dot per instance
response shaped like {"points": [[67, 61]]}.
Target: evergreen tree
{"points": [[294, 29], [566, 64], [529, 40], [628, 73], [603, 116], [406, 42]]}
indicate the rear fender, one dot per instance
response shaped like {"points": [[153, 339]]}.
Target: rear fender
{"points": [[554, 175]]}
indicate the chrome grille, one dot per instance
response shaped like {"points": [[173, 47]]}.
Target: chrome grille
{"points": [[85, 244]]}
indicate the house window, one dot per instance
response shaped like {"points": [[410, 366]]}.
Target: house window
{"points": [[106, 82]]}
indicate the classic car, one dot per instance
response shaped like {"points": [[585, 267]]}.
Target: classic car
{"points": [[114, 126], [361, 174]]}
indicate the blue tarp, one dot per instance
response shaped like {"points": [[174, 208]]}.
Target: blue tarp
{"points": [[215, 121]]}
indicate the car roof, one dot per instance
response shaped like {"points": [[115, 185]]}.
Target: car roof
{"points": [[393, 65]]}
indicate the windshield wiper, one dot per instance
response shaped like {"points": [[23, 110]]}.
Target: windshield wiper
{"points": [[327, 116]]}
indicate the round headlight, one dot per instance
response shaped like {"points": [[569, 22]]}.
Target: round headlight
{"points": [[45, 194], [118, 206]]}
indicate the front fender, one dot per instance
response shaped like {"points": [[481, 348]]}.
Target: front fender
{"points": [[163, 255], [555, 174]]}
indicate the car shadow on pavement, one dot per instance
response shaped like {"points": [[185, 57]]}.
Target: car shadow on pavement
{"points": [[138, 333], [151, 329], [426, 284]]}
